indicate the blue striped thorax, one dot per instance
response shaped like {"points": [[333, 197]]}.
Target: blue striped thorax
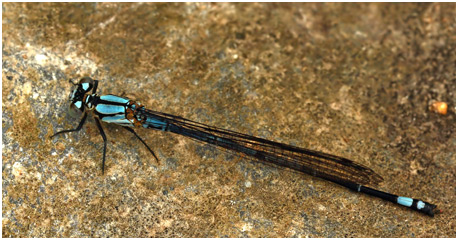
{"points": [[119, 110], [108, 108]]}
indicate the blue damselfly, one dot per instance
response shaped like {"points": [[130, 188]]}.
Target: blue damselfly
{"points": [[129, 113]]}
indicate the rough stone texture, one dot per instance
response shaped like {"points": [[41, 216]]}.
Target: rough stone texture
{"points": [[355, 80]]}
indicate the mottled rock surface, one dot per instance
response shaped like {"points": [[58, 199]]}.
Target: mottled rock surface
{"points": [[354, 80]]}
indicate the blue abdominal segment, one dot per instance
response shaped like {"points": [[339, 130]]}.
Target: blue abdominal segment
{"points": [[155, 123], [405, 201]]}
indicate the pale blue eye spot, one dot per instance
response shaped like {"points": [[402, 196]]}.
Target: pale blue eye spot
{"points": [[78, 104], [85, 86]]}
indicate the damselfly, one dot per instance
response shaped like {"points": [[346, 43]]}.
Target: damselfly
{"points": [[129, 113]]}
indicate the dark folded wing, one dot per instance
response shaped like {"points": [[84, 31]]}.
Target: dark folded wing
{"points": [[311, 162]]}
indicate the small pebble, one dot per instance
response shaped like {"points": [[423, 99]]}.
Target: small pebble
{"points": [[439, 107]]}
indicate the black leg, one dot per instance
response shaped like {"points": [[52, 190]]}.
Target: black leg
{"points": [[104, 142], [141, 140], [83, 120]]}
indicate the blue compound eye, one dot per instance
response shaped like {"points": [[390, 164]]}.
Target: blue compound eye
{"points": [[86, 84], [74, 110]]}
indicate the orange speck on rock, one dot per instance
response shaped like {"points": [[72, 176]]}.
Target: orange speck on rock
{"points": [[439, 107]]}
